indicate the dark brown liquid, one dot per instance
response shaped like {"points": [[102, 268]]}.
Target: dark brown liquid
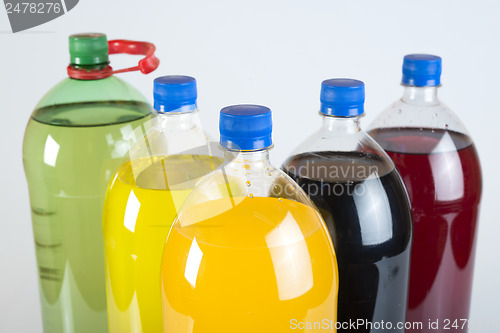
{"points": [[366, 210]]}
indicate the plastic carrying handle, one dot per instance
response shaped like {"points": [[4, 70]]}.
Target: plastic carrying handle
{"points": [[146, 65]]}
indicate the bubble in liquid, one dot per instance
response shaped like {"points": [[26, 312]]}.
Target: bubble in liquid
{"points": [[250, 195], [248, 183]]}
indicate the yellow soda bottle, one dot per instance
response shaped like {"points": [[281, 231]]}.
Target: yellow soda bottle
{"points": [[143, 199], [249, 252]]}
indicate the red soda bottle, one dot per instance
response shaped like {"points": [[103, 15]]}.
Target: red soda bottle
{"points": [[440, 168]]}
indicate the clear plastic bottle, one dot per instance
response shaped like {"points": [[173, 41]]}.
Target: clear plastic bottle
{"points": [[143, 200], [364, 203], [440, 167], [249, 252], [76, 138]]}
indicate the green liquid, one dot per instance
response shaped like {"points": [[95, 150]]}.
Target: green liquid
{"points": [[70, 153]]}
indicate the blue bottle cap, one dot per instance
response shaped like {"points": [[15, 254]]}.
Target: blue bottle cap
{"points": [[342, 97], [174, 93], [245, 127], [421, 70]]}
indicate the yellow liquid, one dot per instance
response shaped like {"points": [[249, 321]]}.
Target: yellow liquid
{"points": [[141, 204], [248, 265]]}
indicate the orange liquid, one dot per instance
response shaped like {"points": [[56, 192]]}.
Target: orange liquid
{"points": [[248, 265]]}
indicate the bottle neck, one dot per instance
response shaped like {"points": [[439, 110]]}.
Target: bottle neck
{"points": [[90, 67], [341, 125], [89, 72], [249, 161], [420, 95], [179, 121]]}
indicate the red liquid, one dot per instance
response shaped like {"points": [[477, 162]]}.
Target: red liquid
{"points": [[442, 174]]}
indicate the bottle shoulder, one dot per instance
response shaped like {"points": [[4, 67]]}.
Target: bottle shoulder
{"points": [[275, 203], [77, 103], [336, 149], [172, 135], [402, 114], [240, 178], [70, 91]]}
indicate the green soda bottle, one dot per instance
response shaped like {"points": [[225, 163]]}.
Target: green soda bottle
{"points": [[76, 138]]}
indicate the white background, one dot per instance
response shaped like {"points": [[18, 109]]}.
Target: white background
{"points": [[274, 53]]}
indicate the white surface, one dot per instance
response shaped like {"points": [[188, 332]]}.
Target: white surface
{"points": [[267, 52]]}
